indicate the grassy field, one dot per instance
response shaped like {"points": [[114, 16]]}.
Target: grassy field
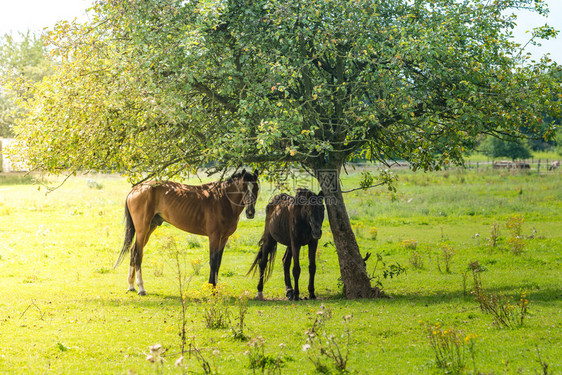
{"points": [[470, 242]]}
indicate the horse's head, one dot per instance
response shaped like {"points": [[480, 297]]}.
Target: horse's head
{"points": [[312, 210], [248, 185]]}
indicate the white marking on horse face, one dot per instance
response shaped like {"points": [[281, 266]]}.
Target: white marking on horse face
{"points": [[250, 187]]}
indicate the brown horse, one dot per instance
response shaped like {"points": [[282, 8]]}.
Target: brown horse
{"points": [[211, 210], [294, 222]]}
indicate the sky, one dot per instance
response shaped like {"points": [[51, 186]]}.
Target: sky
{"points": [[23, 15]]}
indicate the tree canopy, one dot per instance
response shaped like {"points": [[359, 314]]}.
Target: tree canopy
{"points": [[166, 86], [163, 85], [21, 55]]}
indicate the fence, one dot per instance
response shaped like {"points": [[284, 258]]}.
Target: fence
{"points": [[531, 165]]}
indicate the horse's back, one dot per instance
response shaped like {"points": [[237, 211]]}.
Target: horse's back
{"points": [[184, 206]]}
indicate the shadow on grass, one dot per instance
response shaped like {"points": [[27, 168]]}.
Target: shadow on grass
{"points": [[158, 300], [535, 295]]}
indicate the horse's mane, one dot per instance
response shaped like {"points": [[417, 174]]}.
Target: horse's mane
{"points": [[281, 198], [235, 176]]}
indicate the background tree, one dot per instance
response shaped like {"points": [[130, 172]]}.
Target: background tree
{"points": [[497, 148], [23, 55], [168, 85]]}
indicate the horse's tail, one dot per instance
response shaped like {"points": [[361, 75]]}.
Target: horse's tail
{"points": [[266, 252], [129, 236]]}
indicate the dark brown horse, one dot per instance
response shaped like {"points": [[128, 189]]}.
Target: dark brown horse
{"points": [[210, 210], [294, 222]]}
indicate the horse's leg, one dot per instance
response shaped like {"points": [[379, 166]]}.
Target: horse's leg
{"points": [[312, 267], [136, 260], [131, 277], [289, 292], [135, 265], [266, 248], [216, 248], [296, 270]]}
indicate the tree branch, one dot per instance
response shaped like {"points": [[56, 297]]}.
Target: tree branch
{"points": [[223, 100]]}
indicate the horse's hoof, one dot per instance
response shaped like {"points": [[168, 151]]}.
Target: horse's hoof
{"points": [[131, 290], [259, 297], [290, 294], [312, 296], [142, 293]]}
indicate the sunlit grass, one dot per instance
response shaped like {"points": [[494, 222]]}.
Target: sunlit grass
{"points": [[65, 310]]}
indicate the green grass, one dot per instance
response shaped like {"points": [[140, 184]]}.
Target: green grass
{"points": [[64, 310]]}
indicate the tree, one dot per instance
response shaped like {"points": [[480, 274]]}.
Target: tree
{"points": [[496, 148], [169, 85], [22, 55]]}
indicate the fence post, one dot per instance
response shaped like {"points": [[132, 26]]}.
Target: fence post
{"points": [[539, 167]]}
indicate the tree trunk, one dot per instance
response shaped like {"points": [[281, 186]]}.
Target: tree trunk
{"points": [[352, 266]]}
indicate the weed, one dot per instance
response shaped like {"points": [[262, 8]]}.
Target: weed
{"points": [[183, 285], [103, 270], [193, 242], [450, 347], [516, 245], [206, 366], [477, 238], [238, 330], [322, 346], [155, 355], [476, 270], [515, 242], [264, 363], [358, 229], [416, 259], [409, 244], [196, 264], [216, 310], [447, 253], [494, 235], [542, 363], [158, 269], [506, 314], [514, 224], [388, 271], [373, 233], [464, 282], [228, 273]]}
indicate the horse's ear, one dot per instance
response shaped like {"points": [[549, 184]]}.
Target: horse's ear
{"points": [[321, 194], [256, 173], [243, 172]]}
